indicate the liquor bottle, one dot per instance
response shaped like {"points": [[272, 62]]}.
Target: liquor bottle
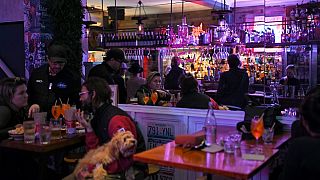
{"points": [[247, 36], [210, 126]]}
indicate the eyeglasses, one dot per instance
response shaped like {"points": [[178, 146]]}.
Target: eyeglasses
{"points": [[82, 93], [19, 79]]}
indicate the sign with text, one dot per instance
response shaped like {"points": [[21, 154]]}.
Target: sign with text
{"points": [[160, 130]]}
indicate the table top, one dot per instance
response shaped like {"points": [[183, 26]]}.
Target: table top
{"points": [[43, 148], [230, 165]]}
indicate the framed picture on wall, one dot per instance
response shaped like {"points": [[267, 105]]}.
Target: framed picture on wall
{"points": [[114, 95]]}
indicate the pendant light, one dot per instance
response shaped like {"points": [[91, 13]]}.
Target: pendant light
{"points": [[140, 17]]}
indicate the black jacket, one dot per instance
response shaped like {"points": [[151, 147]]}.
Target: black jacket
{"points": [[172, 80], [9, 118], [233, 85], [44, 89], [112, 77], [302, 159], [100, 124], [194, 100]]}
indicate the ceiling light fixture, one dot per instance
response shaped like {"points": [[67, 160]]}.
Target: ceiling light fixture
{"points": [[140, 18]]}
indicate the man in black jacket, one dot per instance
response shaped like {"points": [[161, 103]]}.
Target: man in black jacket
{"points": [[54, 81], [110, 71], [233, 84], [172, 79]]}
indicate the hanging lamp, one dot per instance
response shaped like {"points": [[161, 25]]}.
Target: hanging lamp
{"points": [[140, 18]]}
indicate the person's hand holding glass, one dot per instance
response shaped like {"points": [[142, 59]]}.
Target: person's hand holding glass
{"points": [[257, 129]]}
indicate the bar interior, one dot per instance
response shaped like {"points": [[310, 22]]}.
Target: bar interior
{"points": [[166, 89]]}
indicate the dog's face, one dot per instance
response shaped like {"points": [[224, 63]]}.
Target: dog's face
{"points": [[125, 142]]}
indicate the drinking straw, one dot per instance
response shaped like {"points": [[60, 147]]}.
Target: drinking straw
{"points": [[68, 100], [60, 101], [261, 117], [272, 126]]}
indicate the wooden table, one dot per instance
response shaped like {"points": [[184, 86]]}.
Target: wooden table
{"points": [[54, 145], [41, 151], [229, 165]]}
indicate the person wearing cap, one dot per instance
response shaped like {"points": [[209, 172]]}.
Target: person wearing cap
{"points": [[153, 85], [134, 82], [55, 81], [233, 84], [109, 70]]}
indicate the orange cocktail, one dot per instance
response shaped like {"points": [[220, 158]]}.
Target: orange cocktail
{"points": [[56, 111], [64, 107], [257, 128], [145, 99], [154, 97]]}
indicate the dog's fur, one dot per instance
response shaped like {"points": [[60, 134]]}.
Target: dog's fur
{"points": [[122, 143]]}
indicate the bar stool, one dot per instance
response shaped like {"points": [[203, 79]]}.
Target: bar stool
{"points": [[153, 171]]}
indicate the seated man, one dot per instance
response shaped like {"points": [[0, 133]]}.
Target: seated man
{"points": [[108, 120]]}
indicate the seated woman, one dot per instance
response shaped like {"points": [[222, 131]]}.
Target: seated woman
{"points": [[302, 161], [153, 90], [191, 98], [13, 111], [13, 103]]}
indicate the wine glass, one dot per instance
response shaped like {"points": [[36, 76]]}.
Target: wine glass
{"points": [[56, 111], [64, 107], [146, 98], [154, 97], [257, 129]]}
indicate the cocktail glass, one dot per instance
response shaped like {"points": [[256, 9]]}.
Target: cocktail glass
{"points": [[56, 111], [154, 97], [146, 98], [257, 129], [64, 107]]}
